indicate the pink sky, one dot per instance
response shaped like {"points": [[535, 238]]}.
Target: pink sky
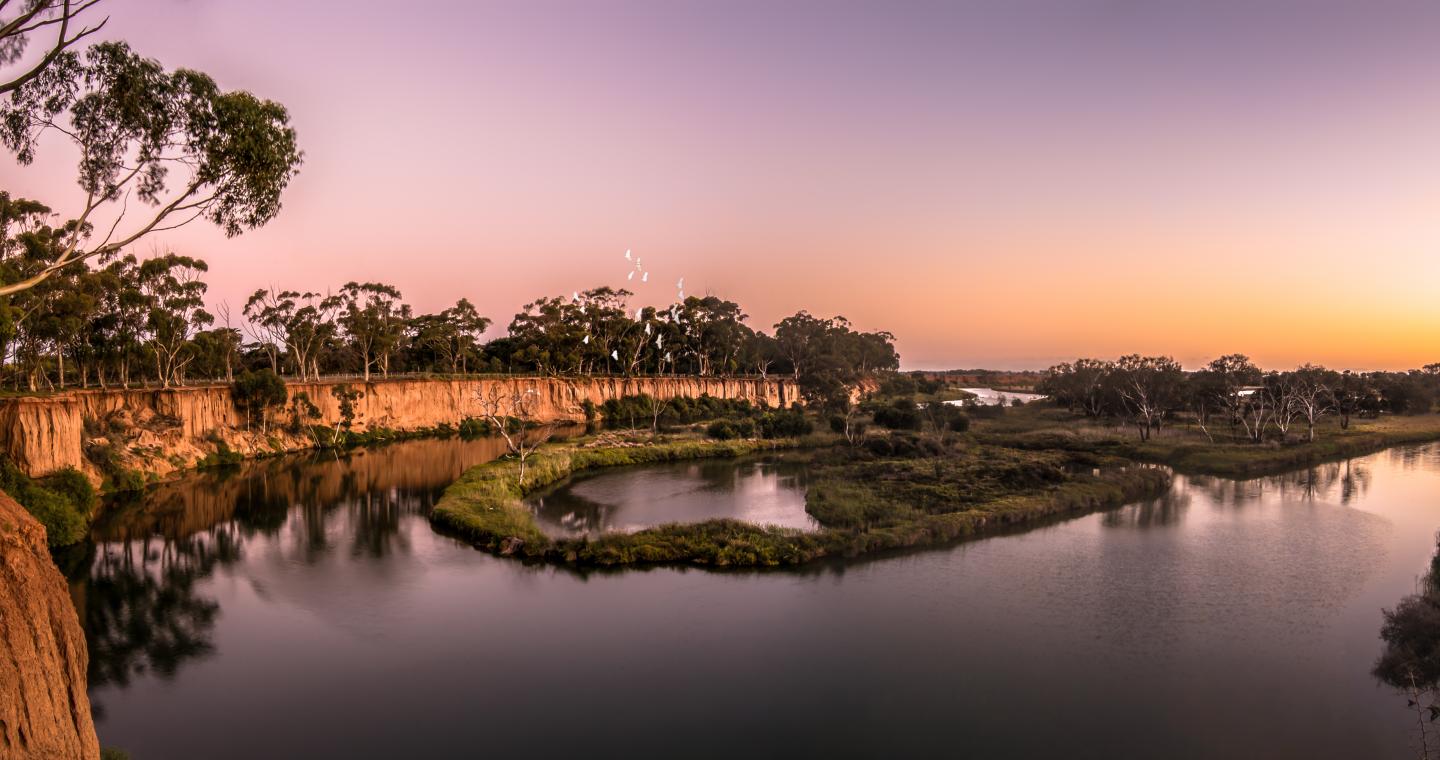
{"points": [[1001, 184]]}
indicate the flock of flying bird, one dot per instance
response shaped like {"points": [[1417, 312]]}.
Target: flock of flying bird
{"points": [[674, 313]]}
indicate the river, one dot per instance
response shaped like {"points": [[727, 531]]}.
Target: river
{"points": [[303, 607]]}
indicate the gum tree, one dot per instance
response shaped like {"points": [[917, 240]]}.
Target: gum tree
{"points": [[157, 149]]}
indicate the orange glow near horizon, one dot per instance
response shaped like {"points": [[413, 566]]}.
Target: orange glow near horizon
{"points": [[1002, 189]]}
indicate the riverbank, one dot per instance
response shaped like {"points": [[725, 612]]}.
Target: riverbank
{"points": [[157, 431], [862, 504], [1188, 450]]}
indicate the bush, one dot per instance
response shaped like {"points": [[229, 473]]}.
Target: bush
{"points": [[62, 502], [722, 430], [786, 424], [256, 393], [638, 410], [901, 415]]}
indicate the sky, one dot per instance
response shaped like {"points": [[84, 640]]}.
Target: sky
{"points": [[1000, 183]]}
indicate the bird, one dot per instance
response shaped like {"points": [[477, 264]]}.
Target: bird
{"points": [[575, 296], [682, 295], [630, 276], [645, 277], [680, 284], [627, 254], [586, 341], [657, 341], [647, 328], [615, 355]]}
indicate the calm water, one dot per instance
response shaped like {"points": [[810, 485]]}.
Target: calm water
{"points": [[992, 397], [761, 491], [305, 609]]}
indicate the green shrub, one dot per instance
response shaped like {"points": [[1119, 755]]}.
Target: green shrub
{"points": [[128, 480], [62, 502], [256, 393], [784, 424]]}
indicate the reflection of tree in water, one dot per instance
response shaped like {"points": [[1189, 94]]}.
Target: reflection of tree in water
{"points": [[143, 607], [1410, 662], [142, 610], [1344, 481], [1168, 509]]}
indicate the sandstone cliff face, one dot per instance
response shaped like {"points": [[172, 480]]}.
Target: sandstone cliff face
{"points": [[170, 429], [44, 712]]}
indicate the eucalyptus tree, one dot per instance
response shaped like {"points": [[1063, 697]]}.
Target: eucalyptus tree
{"points": [[57, 21], [1350, 392], [548, 337], [374, 321], [120, 326], [174, 142], [453, 334], [299, 323], [1310, 394], [175, 296], [1149, 388]]}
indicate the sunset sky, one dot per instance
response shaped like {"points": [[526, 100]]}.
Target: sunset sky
{"points": [[1002, 183]]}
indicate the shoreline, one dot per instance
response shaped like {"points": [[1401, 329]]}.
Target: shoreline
{"points": [[486, 508]]}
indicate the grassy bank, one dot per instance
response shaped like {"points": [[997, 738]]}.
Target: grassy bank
{"points": [[485, 506], [1187, 449], [863, 504]]}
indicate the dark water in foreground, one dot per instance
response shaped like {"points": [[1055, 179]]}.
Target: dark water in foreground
{"points": [[304, 608]]}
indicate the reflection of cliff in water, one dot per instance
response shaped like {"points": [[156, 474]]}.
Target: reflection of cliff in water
{"points": [[140, 592]]}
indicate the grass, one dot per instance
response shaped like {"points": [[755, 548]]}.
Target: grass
{"points": [[1185, 447], [485, 506], [863, 504]]}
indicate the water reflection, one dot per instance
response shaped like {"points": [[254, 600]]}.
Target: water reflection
{"points": [[766, 491], [319, 607], [1340, 482], [1159, 512], [139, 593]]}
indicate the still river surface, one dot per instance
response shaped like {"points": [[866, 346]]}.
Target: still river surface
{"points": [[303, 607]]}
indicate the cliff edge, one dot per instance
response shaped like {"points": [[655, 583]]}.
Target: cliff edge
{"points": [[44, 711]]}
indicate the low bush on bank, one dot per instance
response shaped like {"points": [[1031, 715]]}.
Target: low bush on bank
{"points": [[62, 502], [645, 411]]}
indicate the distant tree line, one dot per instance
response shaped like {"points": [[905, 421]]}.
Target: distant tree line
{"points": [[1232, 394], [126, 320]]}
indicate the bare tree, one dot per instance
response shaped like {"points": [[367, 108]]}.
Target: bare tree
{"points": [[1311, 395], [656, 407], [1149, 387], [504, 404]]}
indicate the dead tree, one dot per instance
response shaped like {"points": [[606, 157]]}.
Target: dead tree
{"points": [[504, 405]]}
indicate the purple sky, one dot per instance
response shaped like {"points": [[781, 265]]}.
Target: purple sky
{"points": [[1002, 183]]}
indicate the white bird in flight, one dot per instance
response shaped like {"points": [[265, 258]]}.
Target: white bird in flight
{"points": [[630, 276], [615, 355], [645, 277], [586, 341], [627, 254]]}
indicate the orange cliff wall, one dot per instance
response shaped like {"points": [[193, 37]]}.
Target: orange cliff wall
{"points": [[172, 428]]}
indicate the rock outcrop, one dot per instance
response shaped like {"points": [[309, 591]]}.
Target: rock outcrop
{"points": [[172, 428], [44, 712]]}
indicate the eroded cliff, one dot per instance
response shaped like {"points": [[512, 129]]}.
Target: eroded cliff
{"points": [[163, 430], [44, 712]]}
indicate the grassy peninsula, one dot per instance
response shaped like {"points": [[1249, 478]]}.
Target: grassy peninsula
{"points": [[863, 503]]}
